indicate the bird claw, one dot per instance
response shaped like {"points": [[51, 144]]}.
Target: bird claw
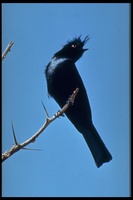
{"points": [[58, 112], [70, 100]]}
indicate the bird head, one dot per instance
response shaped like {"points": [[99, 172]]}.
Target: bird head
{"points": [[73, 49]]}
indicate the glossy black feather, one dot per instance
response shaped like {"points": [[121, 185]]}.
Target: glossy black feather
{"points": [[62, 79]]}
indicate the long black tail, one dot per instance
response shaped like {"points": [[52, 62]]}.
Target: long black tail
{"points": [[97, 147]]}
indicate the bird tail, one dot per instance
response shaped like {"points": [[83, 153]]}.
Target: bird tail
{"points": [[97, 147]]}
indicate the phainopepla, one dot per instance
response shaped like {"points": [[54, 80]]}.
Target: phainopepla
{"points": [[62, 79]]}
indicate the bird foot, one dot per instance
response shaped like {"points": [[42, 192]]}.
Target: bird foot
{"points": [[58, 112], [70, 100]]}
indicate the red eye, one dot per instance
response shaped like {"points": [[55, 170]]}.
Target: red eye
{"points": [[74, 45]]}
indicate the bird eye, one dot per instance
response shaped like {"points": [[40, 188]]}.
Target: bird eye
{"points": [[74, 45]]}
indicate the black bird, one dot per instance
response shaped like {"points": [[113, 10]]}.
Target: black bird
{"points": [[62, 79]]}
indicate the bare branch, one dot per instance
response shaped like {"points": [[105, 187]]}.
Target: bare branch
{"points": [[8, 48], [16, 147]]}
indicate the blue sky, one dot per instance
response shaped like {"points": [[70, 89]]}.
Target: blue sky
{"points": [[65, 167]]}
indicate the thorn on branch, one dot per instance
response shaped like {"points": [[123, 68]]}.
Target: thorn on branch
{"points": [[32, 149], [45, 109], [14, 136]]}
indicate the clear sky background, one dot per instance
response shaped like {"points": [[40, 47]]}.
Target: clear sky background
{"points": [[65, 167]]}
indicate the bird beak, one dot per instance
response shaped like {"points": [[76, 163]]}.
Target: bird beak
{"points": [[85, 50]]}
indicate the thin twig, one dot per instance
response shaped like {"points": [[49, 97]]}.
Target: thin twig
{"points": [[48, 120], [8, 48]]}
